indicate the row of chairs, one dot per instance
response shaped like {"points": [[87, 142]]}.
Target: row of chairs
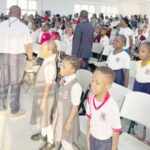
{"points": [[133, 106]]}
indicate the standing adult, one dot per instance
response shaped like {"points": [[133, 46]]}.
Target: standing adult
{"points": [[83, 40], [127, 32], [15, 42]]}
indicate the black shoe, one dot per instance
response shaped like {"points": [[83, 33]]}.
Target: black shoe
{"points": [[38, 137], [82, 113], [46, 146]]}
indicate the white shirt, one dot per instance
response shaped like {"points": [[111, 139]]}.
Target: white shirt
{"points": [[67, 45], [50, 69], [146, 34], [13, 36], [34, 36], [104, 41], [119, 61], [76, 90], [143, 73], [127, 32], [58, 45], [104, 117]]}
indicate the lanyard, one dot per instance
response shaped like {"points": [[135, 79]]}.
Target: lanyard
{"points": [[11, 22]]}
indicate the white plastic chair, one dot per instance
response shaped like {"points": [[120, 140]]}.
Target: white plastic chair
{"points": [[97, 48], [118, 93], [84, 77], [136, 108], [132, 73], [34, 71], [83, 124]]}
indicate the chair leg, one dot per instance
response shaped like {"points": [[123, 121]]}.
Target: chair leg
{"points": [[82, 103], [132, 123]]}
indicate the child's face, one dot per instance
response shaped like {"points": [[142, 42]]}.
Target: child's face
{"points": [[45, 28], [144, 52], [97, 30], [66, 68], [139, 32], [100, 83], [117, 43], [33, 27], [69, 31], [103, 32]]}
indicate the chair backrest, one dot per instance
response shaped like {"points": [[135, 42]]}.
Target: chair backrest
{"points": [[84, 77], [118, 93], [133, 68], [97, 48], [107, 50], [136, 107]]}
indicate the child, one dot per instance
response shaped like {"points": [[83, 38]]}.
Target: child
{"points": [[119, 61], [140, 36], [104, 125], [66, 121], [44, 95], [46, 36], [68, 41], [142, 82], [56, 38], [97, 35], [145, 32], [34, 33], [104, 42]]}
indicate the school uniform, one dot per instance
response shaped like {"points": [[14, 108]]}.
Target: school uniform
{"points": [[142, 78], [142, 84], [119, 62], [141, 37], [46, 75], [68, 95], [46, 36], [127, 32], [104, 42], [97, 37], [104, 120], [68, 45]]}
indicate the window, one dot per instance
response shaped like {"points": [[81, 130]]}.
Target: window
{"points": [[109, 10], [27, 6], [77, 8], [89, 8]]}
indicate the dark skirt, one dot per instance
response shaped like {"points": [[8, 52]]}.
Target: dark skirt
{"points": [[96, 144], [141, 87], [104, 57], [119, 77]]}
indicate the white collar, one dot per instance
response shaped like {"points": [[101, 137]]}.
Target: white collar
{"points": [[69, 78], [50, 58], [13, 18]]}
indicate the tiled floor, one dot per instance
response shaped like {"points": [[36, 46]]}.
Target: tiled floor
{"points": [[15, 133]]}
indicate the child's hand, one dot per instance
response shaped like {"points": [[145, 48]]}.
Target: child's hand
{"points": [[30, 64], [68, 126], [88, 146], [42, 106]]}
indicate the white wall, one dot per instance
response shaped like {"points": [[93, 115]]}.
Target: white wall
{"points": [[145, 9], [2, 6], [67, 7]]}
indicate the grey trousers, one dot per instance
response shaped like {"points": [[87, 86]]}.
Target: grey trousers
{"points": [[12, 67], [96, 144]]}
